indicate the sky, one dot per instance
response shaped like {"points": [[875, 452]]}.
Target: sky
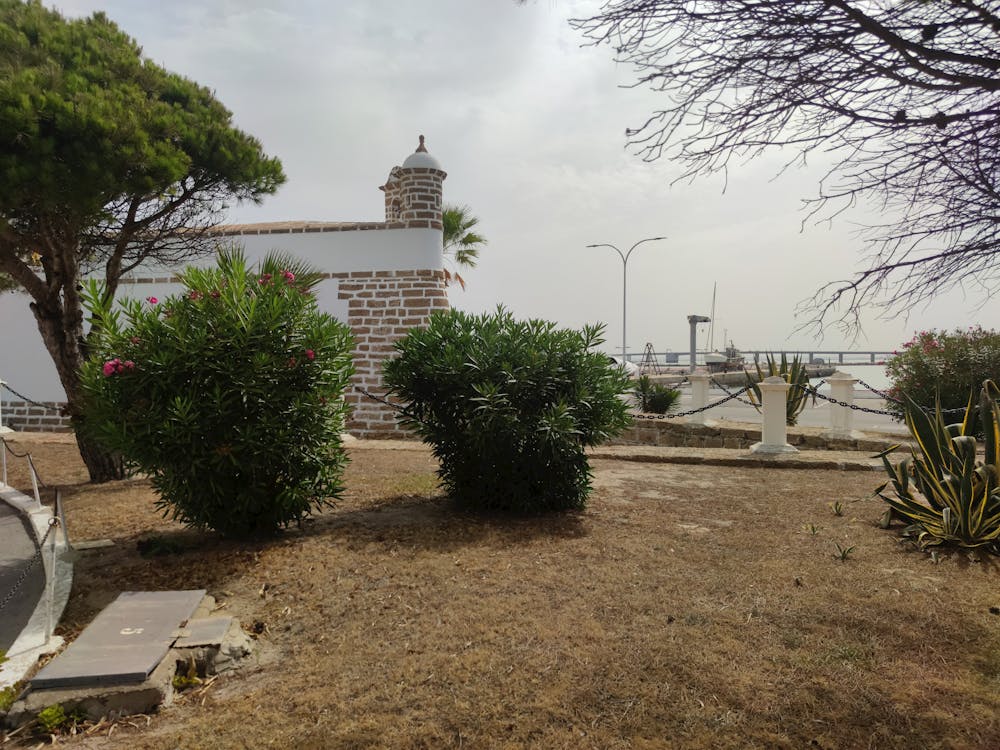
{"points": [[529, 124]]}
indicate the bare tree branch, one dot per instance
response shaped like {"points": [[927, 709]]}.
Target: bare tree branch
{"points": [[906, 94]]}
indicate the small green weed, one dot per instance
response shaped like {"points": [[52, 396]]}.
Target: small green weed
{"points": [[187, 678], [837, 508], [812, 529], [843, 552], [7, 697], [54, 718]]}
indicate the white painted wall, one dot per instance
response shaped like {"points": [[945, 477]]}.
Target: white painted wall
{"points": [[27, 367]]}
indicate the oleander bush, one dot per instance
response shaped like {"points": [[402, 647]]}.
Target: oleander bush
{"points": [[509, 406], [942, 365], [943, 491], [228, 395]]}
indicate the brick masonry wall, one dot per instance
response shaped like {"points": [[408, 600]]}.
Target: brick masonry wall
{"points": [[26, 417], [382, 307]]}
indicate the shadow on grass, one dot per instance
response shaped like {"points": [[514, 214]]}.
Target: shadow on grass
{"points": [[437, 523]]}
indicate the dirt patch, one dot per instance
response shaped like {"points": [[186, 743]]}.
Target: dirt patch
{"points": [[688, 606]]}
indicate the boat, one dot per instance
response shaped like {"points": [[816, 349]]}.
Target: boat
{"points": [[731, 359], [717, 361]]}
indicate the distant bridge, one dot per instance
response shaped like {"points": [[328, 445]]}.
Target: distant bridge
{"points": [[812, 356]]}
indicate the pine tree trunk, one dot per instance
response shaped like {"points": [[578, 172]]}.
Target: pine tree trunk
{"points": [[61, 326], [101, 465]]}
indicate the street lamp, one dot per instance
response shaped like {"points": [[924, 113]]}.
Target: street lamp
{"points": [[625, 256]]}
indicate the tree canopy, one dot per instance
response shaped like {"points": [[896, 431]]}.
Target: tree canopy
{"points": [[905, 94], [108, 161]]}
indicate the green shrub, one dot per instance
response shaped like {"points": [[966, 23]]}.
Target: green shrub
{"points": [[954, 497], [945, 365], [7, 697], [228, 395], [793, 372], [509, 407], [654, 397], [55, 718]]}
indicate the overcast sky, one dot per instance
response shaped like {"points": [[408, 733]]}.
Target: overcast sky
{"points": [[530, 127]]}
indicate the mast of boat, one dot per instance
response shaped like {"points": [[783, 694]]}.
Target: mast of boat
{"points": [[711, 325]]}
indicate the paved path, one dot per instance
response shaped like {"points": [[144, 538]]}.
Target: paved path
{"points": [[17, 548]]}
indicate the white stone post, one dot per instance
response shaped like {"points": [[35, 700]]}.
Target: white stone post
{"points": [[773, 431], [841, 417], [699, 395]]}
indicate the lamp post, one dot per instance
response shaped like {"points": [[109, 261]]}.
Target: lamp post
{"points": [[625, 256]]}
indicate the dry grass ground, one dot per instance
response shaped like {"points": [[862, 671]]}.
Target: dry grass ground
{"points": [[687, 607]]}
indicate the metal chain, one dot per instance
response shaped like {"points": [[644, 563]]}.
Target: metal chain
{"points": [[881, 394], [21, 396], [31, 462], [35, 559], [886, 397], [11, 451], [854, 407], [700, 409], [741, 400]]}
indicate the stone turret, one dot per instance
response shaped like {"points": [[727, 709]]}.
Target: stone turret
{"points": [[383, 305], [413, 192]]}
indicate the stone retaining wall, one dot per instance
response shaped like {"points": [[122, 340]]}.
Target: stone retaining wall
{"points": [[678, 433]]}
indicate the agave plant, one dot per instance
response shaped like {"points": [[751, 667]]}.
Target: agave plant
{"points": [[945, 493], [654, 397], [794, 373]]}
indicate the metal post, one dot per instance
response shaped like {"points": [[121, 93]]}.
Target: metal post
{"points": [[694, 320], [625, 256], [50, 588], [34, 482], [2, 428], [773, 430]]}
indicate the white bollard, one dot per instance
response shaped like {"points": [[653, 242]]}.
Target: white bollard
{"points": [[699, 395], [841, 417], [773, 430]]}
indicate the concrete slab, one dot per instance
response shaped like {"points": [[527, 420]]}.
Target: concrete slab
{"points": [[124, 643], [208, 631]]}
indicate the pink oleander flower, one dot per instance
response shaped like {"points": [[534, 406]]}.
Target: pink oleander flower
{"points": [[215, 294], [289, 276], [310, 354], [195, 295], [152, 300], [111, 367], [265, 279], [128, 364]]}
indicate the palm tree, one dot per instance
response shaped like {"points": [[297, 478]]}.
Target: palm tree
{"points": [[461, 243]]}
